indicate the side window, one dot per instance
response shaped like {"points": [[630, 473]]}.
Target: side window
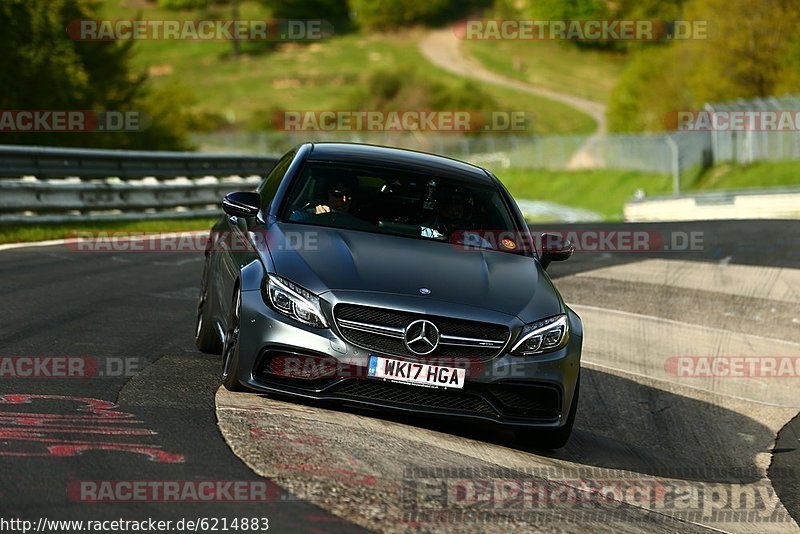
{"points": [[270, 184]]}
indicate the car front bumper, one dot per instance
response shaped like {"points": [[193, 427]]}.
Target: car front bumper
{"points": [[535, 391]]}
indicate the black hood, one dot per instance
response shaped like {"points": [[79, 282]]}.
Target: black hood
{"points": [[335, 259]]}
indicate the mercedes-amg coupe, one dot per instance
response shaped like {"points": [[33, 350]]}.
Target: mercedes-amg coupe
{"points": [[395, 280]]}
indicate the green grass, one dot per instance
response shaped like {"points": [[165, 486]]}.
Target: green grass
{"points": [[323, 75], [606, 191], [18, 233], [764, 174], [601, 191], [560, 66]]}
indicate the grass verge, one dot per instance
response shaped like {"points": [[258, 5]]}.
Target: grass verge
{"points": [[602, 191], [18, 233], [761, 174], [606, 191]]}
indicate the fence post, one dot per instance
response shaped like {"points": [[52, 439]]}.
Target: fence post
{"points": [[676, 165]]}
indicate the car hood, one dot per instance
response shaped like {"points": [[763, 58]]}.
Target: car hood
{"points": [[327, 259]]}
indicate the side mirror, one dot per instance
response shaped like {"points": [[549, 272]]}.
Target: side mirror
{"points": [[245, 204], [555, 248]]}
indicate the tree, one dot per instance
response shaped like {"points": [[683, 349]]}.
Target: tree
{"points": [[746, 50], [47, 70], [752, 49]]}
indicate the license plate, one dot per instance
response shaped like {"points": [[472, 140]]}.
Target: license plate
{"points": [[420, 374]]}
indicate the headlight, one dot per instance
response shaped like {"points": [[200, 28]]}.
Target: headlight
{"points": [[293, 301], [542, 336]]}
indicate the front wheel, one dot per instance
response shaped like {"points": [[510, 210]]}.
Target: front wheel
{"points": [[230, 357], [551, 439]]}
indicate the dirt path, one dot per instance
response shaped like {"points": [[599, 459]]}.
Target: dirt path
{"points": [[443, 49]]}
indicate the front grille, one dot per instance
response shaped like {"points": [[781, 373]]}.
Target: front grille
{"points": [[415, 396], [393, 345], [515, 401]]}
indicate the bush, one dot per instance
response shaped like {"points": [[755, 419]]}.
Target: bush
{"points": [[386, 14], [184, 4], [334, 11], [408, 89]]}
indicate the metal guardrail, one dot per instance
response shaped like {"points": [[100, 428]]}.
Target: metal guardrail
{"points": [[42, 184]]}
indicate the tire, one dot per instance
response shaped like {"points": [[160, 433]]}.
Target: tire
{"points": [[551, 439], [205, 337], [230, 357]]}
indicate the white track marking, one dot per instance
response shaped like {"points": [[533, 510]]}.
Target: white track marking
{"points": [[645, 345], [771, 283]]}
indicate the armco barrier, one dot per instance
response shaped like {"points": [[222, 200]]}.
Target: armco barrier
{"points": [[40, 184]]}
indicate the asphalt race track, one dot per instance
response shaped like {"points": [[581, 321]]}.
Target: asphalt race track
{"points": [[641, 424]]}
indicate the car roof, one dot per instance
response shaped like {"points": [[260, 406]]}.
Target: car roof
{"points": [[396, 157]]}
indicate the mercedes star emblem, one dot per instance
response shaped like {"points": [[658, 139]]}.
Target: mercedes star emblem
{"points": [[421, 337]]}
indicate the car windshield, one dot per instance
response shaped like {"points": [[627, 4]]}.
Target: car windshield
{"points": [[391, 201]]}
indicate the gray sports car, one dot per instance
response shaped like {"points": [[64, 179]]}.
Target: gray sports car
{"points": [[396, 280]]}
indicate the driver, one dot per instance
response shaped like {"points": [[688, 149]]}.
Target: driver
{"points": [[339, 197]]}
